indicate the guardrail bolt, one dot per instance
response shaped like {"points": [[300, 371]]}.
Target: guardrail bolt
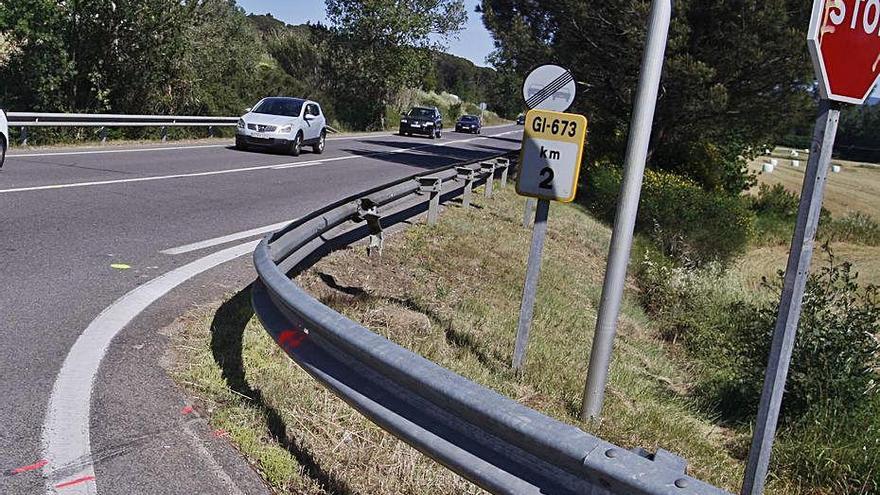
{"points": [[489, 169], [432, 186], [103, 133], [504, 165], [682, 483], [468, 175], [611, 453], [529, 214], [24, 136]]}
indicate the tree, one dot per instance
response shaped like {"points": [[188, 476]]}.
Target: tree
{"points": [[736, 73], [384, 46]]}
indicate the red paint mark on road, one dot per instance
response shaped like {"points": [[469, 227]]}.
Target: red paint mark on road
{"points": [[220, 433], [186, 410], [30, 467], [289, 340], [75, 482]]}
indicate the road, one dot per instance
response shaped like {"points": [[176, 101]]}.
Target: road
{"points": [[82, 228]]}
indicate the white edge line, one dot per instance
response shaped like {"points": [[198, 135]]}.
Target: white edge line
{"points": [[239, 170], [106, 152], [196, 246], [65, 433]]}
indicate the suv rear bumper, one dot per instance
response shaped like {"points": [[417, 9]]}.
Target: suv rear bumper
{"points": [[422, 129]]}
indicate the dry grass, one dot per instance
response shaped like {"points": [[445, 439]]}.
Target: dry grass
{"points": [[450, 293], [854, 189]]}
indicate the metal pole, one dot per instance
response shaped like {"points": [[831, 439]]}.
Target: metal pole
{"points": [[533, 269], [622, 237], [527, 215], [796, 274]]}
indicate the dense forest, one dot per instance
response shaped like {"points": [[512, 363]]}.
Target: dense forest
{"points": [[208, 57]]}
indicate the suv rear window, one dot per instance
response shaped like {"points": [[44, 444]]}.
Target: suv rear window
{"points": [[422, 112]]}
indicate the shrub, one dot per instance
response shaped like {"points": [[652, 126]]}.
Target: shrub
{"points": [[835, 358], [855, 227], [687, 222], [776, 200]]}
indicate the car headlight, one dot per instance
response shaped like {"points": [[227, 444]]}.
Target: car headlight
{"points": [[241, 123], [404, 121], [285, 129]]}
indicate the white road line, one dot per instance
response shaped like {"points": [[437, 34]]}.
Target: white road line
{"points": [[66, 439], [237, 170], [196, 246], [107, 152]]}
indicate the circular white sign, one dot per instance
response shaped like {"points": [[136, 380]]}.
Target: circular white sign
{"points": [[550, 87]]}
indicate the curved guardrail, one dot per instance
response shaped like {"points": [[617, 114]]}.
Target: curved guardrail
{"points": [[491, 440]]}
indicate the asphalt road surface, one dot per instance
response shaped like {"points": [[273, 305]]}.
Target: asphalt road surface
{"points": [[179, 217]]}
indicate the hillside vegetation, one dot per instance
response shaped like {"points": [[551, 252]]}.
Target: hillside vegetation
{"points": [[210, 58]]}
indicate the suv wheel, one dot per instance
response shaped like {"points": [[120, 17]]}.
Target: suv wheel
{"points": [[318, 147], [296, 145], [439, 133], [2, 151], [240, 144]]}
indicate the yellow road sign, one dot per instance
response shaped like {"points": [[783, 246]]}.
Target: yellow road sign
{"points": [[550, 160]]}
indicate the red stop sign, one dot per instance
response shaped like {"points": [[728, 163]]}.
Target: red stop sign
{"points": [[844, 41]]}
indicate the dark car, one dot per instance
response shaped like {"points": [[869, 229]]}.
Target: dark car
{"points": [[521, 120], [422, 120], [469, 123]]}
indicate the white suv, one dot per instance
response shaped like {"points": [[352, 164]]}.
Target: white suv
{"points": [[286, 123], [4, 137]]}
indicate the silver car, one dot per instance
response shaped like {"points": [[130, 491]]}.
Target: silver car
{"points": [[283, 123]]}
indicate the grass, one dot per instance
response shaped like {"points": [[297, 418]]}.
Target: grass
{"points": [[450, 293]]}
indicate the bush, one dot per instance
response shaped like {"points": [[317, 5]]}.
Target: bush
{"points": [[688, 223], [776, 200], [856, 228], [835, 358]]}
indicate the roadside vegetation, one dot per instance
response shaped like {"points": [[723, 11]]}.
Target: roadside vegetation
{"points": [[686, 375], [451, 294], [210, 58]]}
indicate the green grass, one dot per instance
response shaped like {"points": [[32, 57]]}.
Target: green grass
{"points": [[451, 293]]}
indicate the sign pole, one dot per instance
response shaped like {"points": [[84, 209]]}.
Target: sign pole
{"points": [[531, 287], [796, 274], [622, 236]]}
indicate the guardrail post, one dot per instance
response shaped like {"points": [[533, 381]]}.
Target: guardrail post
{"points": [[468, 174], [504, 165], [24, 135], [103, 133], [432, 186], [531, 204], [370, 213], [210, 131], [489, 169], [164, 133]]}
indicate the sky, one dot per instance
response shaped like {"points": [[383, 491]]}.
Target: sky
{"points": [[474, 42]]}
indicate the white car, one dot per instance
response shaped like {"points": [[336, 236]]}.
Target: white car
{"points": [[283, 123], [4, 137]]}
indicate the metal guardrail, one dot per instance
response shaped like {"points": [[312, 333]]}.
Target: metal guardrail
{"points": [[491, 440], [24, 120]]}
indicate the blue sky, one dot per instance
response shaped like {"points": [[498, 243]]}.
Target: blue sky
{"points": [[474, 43]]}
